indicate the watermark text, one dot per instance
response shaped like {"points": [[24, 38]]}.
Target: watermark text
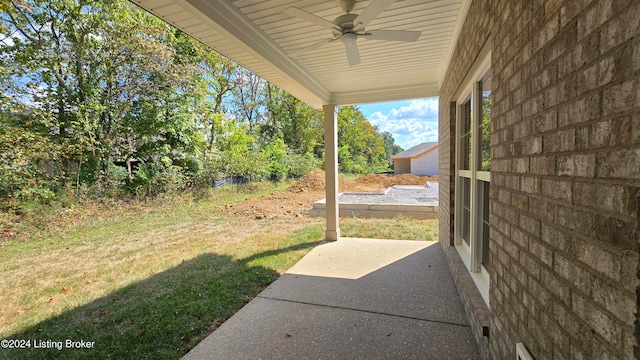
{"points": [[45, 344]]}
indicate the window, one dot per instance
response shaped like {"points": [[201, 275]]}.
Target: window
{"points": [[473, 176]]}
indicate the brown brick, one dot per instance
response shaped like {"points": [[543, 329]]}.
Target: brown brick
{"points": [[542, 80], [559, 141], [619, 164], [598, 259], [604, 351], [577, 276], [522, 129], [520, 202], [601, 322], [605, 197], [620, 97], [577, 165], [587, 108], [520, 165], [570, 10], [531, 146], [582, 138], [578, 221], [541, 252], [600, 134], [520, 238], [622, 131], [617, 232], [632, 201], [546, 121], [618, 302], [530, 225], [591, 19], [530, 184], [512, 181], [532, 267], [622, 28], [542, 209], [557, 190], [543, 165], [533, 106]]}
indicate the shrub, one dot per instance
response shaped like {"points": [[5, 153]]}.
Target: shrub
{"points": [[275, 153], [157, 176], [298, 165]]}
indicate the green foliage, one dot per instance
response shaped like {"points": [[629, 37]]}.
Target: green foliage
{"points": [[275, 153], [289, 119], [283, 162], [25, 156], [361, 149], [113, 184], [157, 176], [390, 147], [93, 83], [300, 164], [245, 164], [106, 74], [36, 194], [486, 131]]}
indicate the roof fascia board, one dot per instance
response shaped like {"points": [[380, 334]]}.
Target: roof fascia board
{"points": [[433, 148], [386, 94], [462, 17], [234, 25], [424, 152]]}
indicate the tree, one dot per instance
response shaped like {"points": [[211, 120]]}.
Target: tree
{"points": [[390, 147], [249, 97], [222, 78], [107, 73], [236, 152], [296, 123], [358, 137]]}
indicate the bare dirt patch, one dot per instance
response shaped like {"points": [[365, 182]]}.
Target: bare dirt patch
{"points": [[299, 197]]}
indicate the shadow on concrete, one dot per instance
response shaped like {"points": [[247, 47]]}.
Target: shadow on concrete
{"points": [[352, 299], [161, 317]]}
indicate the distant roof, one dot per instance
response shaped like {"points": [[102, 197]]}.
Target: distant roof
{"points": [[416, 150]]}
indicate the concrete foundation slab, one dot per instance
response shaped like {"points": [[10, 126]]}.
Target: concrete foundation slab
{"points": [[414, 201]]}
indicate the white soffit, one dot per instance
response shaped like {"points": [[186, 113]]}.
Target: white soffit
{"points": [[259, 35]]}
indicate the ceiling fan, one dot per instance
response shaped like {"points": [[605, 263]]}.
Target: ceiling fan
{"points": [[349, 27]]}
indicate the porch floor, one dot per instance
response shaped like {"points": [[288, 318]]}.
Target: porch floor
{"points": [[352, 299]]}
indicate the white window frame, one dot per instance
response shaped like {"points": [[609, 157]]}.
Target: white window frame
{"points": [[471, 253]]}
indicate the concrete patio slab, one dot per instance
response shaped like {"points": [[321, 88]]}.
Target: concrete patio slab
{"points": [[404, 278], [352, 299]]}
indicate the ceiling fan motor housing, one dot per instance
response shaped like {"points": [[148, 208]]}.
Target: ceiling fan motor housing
{"points": [[345, 22]]}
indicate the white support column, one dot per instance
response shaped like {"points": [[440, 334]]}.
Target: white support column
{"points": [[331, 171]]}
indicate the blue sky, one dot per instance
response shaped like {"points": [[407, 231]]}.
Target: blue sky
{"points": [[410, 122]]}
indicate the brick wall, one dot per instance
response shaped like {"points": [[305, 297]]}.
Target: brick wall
{"points": [[565, 190], [473, 37]]}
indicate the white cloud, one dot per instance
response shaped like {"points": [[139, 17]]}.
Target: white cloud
{"points": [[411, 124]]}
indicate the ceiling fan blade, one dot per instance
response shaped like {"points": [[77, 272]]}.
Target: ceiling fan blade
{"points": [[294, 11], [311, 47], [353, 55], [392, 35], [375, 8]]}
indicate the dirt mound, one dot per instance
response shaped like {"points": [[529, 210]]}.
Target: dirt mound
{"points": [[313, 181], [299, 197]]}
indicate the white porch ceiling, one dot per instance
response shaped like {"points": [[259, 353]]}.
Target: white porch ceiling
{"points": [[258, 35]]}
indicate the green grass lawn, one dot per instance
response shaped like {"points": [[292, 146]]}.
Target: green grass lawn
{"points": [[151, 281]]}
